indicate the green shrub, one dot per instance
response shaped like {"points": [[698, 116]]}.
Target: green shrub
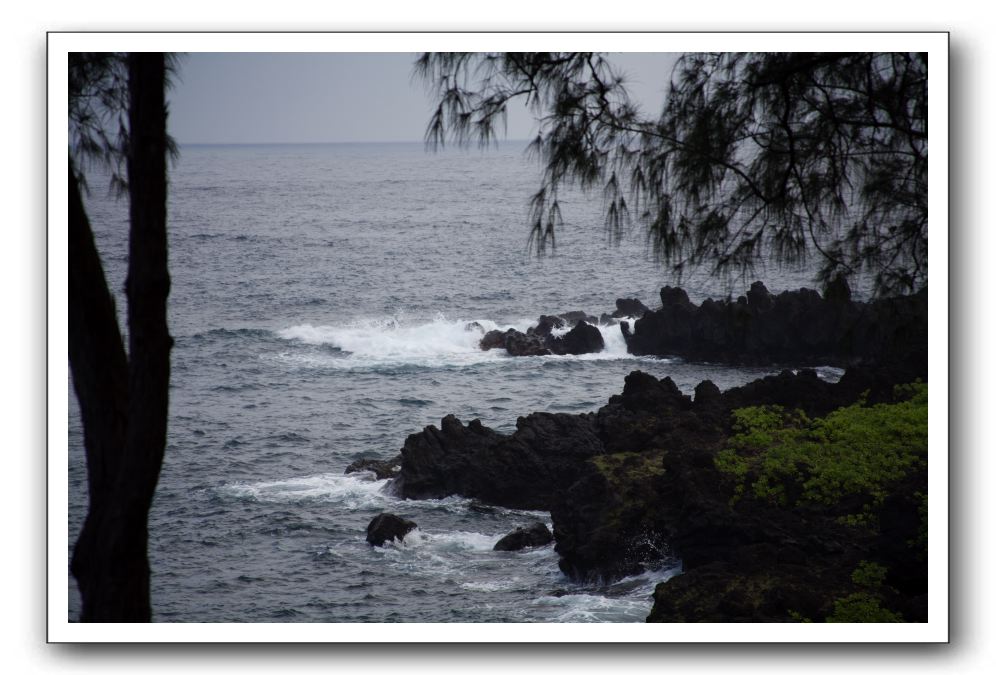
{"points": [[869, 575], [855, 450], [861, 608]]}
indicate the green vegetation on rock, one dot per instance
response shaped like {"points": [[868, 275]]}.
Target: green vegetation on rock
{"points": [[783, 457], [868, 575], [625, 468], [861, 607], [631, 477], [865, 605]]}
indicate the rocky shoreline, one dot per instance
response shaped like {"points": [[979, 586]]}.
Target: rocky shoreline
{"points": [[800, 327], [787, 499]]}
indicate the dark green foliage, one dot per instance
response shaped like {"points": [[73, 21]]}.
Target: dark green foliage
{"points": [[783, 457], [755, 155], [865, 605], [861, 607], [868, 575]]}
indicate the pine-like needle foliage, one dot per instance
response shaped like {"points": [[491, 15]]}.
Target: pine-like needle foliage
{"points": [[755, 156], [98, 114]]}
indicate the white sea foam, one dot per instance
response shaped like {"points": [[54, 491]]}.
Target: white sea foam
{"points": [[829, 373], [456, 541], [398, 341], [615, 343], [627, 599], [351, 491], [491, 586]]}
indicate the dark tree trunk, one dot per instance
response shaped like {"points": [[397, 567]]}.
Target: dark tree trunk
{"points": [[124, 404], [100, 378]]}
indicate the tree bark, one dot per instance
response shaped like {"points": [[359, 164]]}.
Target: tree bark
{"points": [[100, 378], [124, 423]]}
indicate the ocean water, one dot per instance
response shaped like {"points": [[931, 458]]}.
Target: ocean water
{"points": [[319, 304]]}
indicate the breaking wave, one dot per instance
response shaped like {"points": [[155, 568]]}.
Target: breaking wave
{"points": [[395, 341]]}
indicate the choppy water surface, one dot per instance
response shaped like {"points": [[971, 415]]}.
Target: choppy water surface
{"points": [[319, 304]]}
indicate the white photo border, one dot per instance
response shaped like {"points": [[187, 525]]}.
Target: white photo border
{"points": [[935, 44]]}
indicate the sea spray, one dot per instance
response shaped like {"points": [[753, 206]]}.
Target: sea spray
{"points": [[393, 341], [399, 341]]}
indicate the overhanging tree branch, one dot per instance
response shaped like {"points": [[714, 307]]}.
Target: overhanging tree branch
{"points": [[792, 143]]}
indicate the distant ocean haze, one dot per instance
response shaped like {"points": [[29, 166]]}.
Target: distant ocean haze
{"points": [[320, 303]]}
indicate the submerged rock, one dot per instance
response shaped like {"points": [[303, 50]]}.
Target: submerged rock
{"points": [[536, 534], [387, 527]]}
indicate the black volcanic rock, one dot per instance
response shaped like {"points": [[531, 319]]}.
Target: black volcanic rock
{"points": [[441, 462], [382, 468], [574, 318], [629, 307], [635, 486], [386, 527], [536, 534], [676, 298], [546, 324], [798, 327], [706, 392], [493, 339], [522, 344], [838, 291], [758, 297], [526, 470], [582, 339], [539, 340], [515, 342]]}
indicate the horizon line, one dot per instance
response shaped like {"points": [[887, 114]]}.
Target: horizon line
{"points": [[380, 142]]}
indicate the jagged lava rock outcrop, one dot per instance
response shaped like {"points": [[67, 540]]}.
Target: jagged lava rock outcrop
{"points": [[635, 486], [629, 307], [799, 327], [526, 470], [538, 340], [657, 495]]}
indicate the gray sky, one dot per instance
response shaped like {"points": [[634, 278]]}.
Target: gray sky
{"points": [[340, 97]]}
